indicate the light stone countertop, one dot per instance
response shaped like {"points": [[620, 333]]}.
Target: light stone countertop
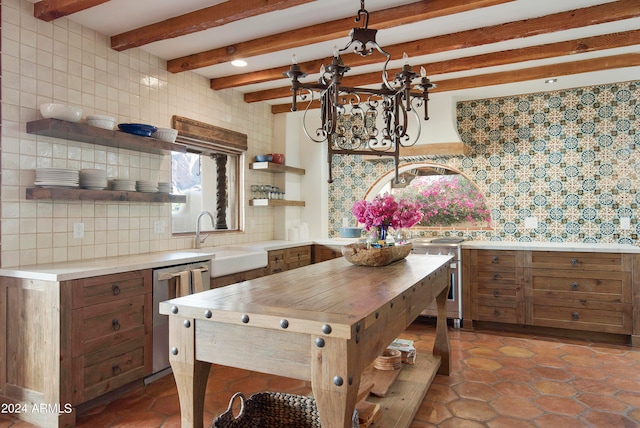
{"points": [[65, 271], [551, 246]]}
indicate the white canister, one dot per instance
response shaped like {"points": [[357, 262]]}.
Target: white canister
{"points": [[294, 235]]}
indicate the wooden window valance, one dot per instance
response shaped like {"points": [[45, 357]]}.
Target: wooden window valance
{"points": [[202, 137]]}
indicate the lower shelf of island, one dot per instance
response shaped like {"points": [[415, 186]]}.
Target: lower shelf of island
{"points": [[275, 203], [75, 194]]}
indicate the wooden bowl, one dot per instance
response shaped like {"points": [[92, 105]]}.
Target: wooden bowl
{"points": [[359, 254]]}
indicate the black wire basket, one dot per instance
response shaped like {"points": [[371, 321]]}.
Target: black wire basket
{"points": [[272, 410]]}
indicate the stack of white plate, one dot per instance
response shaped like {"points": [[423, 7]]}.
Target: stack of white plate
{"points": [[57, 177], [123, 185], [93, 179], [146, 186], [164, 187]]}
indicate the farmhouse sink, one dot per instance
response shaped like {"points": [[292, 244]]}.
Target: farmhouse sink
{"points": [[228, 260]]}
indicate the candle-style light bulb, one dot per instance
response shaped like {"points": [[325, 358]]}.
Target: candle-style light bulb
{"points": [[423, 72], [405, 57], [336, 51], [294, 59], [322, 69]]}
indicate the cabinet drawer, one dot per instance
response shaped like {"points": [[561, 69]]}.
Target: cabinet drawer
{"points": [[502, 309], [591, 316], [577, 261], [106, 325], [107, 288], [102, 371], [500, 279], [298, 254], [582, 285], [276, 261], [496, 260]]}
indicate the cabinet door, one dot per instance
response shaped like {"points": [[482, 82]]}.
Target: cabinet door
{"points": [[322, 253]]}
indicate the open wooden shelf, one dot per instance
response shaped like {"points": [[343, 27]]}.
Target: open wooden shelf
{"points": [[90, 134], [275, 203], [69, 193], [275, 167]]}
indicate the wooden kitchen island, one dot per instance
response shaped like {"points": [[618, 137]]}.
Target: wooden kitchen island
{"points": [[323, 323]]}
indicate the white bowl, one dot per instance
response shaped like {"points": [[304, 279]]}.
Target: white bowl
{"points": [[166, 134], [100, 121], [61, 111]]}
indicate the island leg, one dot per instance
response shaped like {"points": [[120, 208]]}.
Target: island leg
{"points": [[442, 346], [190, 375], [335, 379]]}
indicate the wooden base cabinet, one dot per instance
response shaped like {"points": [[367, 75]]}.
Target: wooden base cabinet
{"points": [[585, 291], [68, 342], [497, 293], [288, 258], [582, 291]]}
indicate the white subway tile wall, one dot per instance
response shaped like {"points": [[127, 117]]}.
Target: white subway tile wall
{"points": [[64, 62]]}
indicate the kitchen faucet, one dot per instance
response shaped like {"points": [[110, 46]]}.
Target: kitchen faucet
{"points": [[198, 240]]}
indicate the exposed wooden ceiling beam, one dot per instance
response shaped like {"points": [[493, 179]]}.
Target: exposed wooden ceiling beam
{"points": [[48, 10], [609, 12], [522, 75], [414, 12], [551, 50], [199, 20]]}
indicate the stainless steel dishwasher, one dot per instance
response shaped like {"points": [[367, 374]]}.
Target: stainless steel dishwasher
{"points": [[164, 282]]}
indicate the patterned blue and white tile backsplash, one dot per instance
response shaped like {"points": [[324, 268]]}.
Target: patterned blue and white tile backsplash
{"points": [[570, 158]]}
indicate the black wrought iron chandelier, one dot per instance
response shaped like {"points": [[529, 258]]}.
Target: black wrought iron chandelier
{"points": [[363, 121]]}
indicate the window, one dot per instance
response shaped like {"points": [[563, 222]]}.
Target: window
{"points": [[449, 199], [209, 175], [210, 183]]}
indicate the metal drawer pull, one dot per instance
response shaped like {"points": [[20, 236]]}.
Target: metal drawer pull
{"points": [[575, 316], [495, 293], [115, 369], [115, 289], [495, 259], [496, 276], [574, 285], [115, 324], [574, 261]]}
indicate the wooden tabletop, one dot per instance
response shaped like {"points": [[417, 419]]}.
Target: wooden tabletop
{"points": [[334, 292]]}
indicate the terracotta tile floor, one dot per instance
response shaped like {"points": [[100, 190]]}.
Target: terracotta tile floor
{"points": [[498, 380]]}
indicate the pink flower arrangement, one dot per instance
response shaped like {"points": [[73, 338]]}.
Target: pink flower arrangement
{"points": [[384, 210]]}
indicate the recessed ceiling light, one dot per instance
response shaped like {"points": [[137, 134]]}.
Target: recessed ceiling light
{"points": [[551, 81], [239, 63]]}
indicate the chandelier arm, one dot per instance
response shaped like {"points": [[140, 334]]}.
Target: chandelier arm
{"points": [[385, 82], [319, 131], [418, 131]]}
